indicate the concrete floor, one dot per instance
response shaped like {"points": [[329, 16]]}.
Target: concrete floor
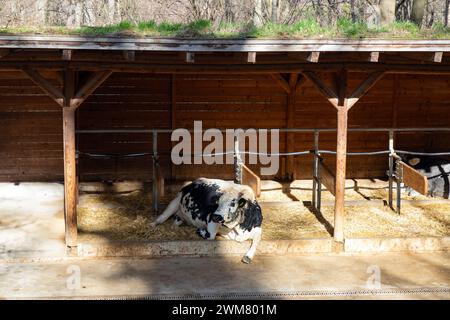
{"points": [[33, 265], [419, 276], [31, 220]]}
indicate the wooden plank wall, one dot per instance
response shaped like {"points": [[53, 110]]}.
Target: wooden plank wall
{"points": [[31, 128], [30, 131]]}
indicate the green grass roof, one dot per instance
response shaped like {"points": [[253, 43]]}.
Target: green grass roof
{"points": [[305, 29]]}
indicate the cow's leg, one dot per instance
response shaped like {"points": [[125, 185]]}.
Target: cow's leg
{"points": [[177, 222], [171, 209], [255, 241], [208, 233], [212, 228]]}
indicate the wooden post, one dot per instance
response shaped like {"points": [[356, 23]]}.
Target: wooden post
{"points": [[294, 82], [173, 119], [70, 176], [341, 158], [69, 100], [70, 188], [342, 101]]}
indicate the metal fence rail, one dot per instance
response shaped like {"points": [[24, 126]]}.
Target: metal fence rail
{"points": [[316, 152]]}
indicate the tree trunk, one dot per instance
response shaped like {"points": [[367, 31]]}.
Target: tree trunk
{"points": [[352, 9], [387, 11], [111, 11], [446, 12], [417, 11], [41, 12], [274, 11], [229, 16], [257, 14]]}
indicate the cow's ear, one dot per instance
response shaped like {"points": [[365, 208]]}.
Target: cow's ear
{"points": [[242, 202], [414, 161]]}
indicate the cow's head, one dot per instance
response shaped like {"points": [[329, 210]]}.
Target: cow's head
{"points": [[411, 160], [232, 205]]}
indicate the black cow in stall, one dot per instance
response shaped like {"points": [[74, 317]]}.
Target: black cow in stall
{"points": [[437, 171], [216, 206]]}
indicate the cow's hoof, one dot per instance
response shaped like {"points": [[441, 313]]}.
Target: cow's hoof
{"points": [[203, 233], [153, 225], [246, 259]]}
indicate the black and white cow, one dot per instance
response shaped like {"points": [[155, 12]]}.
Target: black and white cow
{"points": [[216, 206], [437, 171]]}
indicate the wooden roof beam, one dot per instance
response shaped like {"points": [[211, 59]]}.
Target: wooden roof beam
{"points": [[45, 85], [251, 57], [374, 56], [313, 57], [190, 57], [224, 68], [67, 55], [282, 82], [293, 78], [437, 57], [325, 90], [362, 89], [88, 88]]}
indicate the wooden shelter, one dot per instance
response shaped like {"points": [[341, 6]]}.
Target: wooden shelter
{"points": [[114, 91]]}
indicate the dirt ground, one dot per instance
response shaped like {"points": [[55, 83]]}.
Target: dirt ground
{"points": [[124, 212]]}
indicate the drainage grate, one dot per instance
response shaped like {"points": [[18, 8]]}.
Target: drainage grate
{"points": [[278, 295]]}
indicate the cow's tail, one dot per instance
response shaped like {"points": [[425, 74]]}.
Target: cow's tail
{"points": [[171, 209]]}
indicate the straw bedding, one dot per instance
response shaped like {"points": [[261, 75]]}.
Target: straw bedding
{"points": [[286, 209]]}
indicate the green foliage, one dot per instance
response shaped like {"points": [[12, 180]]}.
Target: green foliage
{"points": [[307, 28], [350, 29], [147, 25]]}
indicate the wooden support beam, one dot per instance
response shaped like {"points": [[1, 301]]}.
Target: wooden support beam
{"points": [[341, 159], [129, 55], [293, 78], [301, 80], [326, 91], [290, 123], [173, 117], [251, 57], [190, 57], [67, 55], [341, 87], [70, 176], [88, 88], [70, 189], [374, 56], [45, 85], [428, 69], [281, 81], [313, 57], [362, 89], [437, 57], [342, 101], [69, 100]]}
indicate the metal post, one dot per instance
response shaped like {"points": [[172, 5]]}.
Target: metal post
{"points": [[155, 195], [319, 184], [237, 162], [399, 179], [315, 168], [391, 166]]}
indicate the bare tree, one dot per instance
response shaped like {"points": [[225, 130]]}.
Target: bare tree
{"points": [[274, 11], [418, 11], [387, 11], [446, 12]]}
